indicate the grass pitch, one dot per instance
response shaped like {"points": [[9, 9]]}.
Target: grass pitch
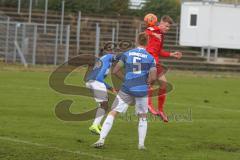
{"points": [[203, 108]]}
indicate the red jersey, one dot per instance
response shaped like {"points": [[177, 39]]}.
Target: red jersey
{"points": [[155, 45]]}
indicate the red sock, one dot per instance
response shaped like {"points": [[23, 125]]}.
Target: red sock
{"points": [[150, 104], [161, 98]]}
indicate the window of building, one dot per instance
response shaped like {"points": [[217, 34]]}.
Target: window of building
{"points": [[193, 20]]}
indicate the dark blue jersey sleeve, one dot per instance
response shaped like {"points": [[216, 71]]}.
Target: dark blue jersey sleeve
{"points": [[117, 58], [123, 58]]}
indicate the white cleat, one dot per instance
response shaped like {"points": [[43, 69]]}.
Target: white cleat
{"points": [[98, 144], [141, 147]]}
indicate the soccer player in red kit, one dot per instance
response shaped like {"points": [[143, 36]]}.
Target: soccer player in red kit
{"points": [[155, 48]]}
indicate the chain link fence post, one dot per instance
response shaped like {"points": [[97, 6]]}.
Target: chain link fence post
{"points": [[117, 32], [177, 34], [56, 46], [113, 35], [19, 6], [34, 45], [45, 16], [78, 30], [97, 40], [7, 41], [15, 40], [23, 46], [136, 36], [30, 12], [62, 21], [66, 57]]}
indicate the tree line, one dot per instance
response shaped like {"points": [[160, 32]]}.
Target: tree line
{"points": [[105, 7]]}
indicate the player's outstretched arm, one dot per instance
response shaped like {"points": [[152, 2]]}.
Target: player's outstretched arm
{"points": [[177, 55], [164, 53]]}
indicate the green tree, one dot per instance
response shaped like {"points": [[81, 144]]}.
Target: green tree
{"points": [[92, 6], [107, 7], [14, 3], [54, 5], [163, 7]]}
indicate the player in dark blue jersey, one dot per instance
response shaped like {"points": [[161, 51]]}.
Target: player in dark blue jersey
{"points": [[140, 71], [95, 80]]}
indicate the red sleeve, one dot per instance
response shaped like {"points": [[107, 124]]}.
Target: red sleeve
{"points": [[164, 53], [148, 32]]}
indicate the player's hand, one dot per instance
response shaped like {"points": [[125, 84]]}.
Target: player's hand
{"points": [[114, 90], [150, 82], [177, 55]]}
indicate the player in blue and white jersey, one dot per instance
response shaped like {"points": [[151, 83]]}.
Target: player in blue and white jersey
{"points": [[140, 71], [95, 80]]}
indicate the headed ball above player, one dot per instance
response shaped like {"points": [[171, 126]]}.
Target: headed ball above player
{"points": [[150, 19]]}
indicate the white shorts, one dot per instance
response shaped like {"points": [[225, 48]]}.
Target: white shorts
{"points": [[99, 90], [122, 101]]}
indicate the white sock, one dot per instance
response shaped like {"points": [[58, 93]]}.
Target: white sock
{"points": [[99, 116], [107, 125], [142, 130]]}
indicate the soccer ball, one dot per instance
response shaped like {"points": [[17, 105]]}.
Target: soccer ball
{"points": [[150, 19]]}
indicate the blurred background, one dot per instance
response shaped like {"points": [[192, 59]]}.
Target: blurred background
{"points": [[37, 36], [52, 31]]}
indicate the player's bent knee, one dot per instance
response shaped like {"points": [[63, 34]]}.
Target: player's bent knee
{"points": [[162, 78], [104, 105], [142, 115]]}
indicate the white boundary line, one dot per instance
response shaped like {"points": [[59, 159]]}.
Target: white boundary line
{"points": [[55, 148]]}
